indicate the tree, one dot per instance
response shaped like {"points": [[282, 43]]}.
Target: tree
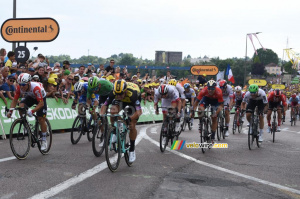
{"points": [[288, 67], [266, 56], [127, 59]]}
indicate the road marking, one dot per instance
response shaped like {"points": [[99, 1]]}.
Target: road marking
{"points": [[82, 176], [154, 130], [226, 170], [7, 159]]}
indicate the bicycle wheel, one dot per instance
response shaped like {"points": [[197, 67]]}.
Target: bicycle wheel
{"points": [[112, 150], [163, 139], [48, 138], [241, 123], [203, 136], [219, 129], [274, 134], [77, 128], [89, 133], [190, 124], [127, 146], [183, 126], [251, 136], [234, 125], [223, 127], [20, 139], [98, 140]]}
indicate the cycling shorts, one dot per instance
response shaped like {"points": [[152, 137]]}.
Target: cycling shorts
{"points": [[29, 102], [253, 103]]}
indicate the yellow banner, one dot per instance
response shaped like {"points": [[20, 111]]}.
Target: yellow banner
{"points": [[259, 82], [280, 86]]}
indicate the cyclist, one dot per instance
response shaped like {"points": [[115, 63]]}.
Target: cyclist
{"points": [[169, 98], [228, 100], [238, 97], [125, 94], [212, 95], [294, 102], [34, 94], [190, 95], [275, 98], [180, 90], [256, 97]]}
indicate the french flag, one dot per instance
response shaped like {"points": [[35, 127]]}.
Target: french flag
{"points": [[229, 74]]}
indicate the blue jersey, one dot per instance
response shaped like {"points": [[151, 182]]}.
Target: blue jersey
{"points": [[82, 94], [294, 100]]}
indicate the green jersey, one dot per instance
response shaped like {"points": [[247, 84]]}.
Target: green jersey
{"points": [[105, 88]]}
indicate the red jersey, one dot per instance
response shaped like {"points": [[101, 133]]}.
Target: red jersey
{"points": [[217, 94], [36, 91], [273, 98]]}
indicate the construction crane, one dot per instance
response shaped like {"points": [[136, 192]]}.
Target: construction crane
{"points": [[293, 57]]}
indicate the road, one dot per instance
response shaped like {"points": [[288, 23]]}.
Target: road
{"points": [[72, 171]]}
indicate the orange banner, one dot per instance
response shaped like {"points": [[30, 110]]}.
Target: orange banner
{"points": [[30, 30], [204, 69]]}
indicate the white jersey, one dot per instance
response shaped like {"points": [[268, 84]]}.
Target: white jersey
{"points": [[37, 91], [238, 97], [261, 96], [172, 95], [228, 92], [190, 94], [180, 90]]}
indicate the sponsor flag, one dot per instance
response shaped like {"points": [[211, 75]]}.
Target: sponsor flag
{"points": [[229, 74]]}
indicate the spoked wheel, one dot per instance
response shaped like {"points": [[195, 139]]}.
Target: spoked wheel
{"points": [[163, 140], [98, 141], [127, 146], [190, 125], [250, 137], [234, 126], [90, 132], [183, 126], [20, 139], [257, 135], [77, 129], [219, 129], [241, 123], [112, 150], [274, 136], [222, 128], [203, 136], [48, 138]]}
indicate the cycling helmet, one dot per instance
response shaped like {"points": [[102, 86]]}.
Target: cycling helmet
{"points": [[294, 96], [78, 86], [277, 92], [24, 78], [222, 83], [211, 83], [120, 87], [238, 88], [253, 88], [93, 82], [186, 85], [163, 89], [173, 82]]}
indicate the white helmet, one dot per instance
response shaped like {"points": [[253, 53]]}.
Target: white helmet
{"points": [[78, 86], [24, 78], [238, 88]]}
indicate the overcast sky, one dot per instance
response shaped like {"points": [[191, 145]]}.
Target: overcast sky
{"points": [[196, 27]]}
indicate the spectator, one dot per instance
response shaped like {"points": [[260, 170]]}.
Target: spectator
{"points": [[110, 78], [66, 65], [168, 76], [110, 70], [2, 56], [117, 73], [201, 79], [101, 70], [138, 74], [51, 88], [11, 57], [35, 78], [31, 71], [40, 61], [89, 69], [81, 71], [66, 88], [42, 74], [9, 88], [4, 74]]}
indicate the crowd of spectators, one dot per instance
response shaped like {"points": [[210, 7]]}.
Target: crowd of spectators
{"points": [[59, 80]]}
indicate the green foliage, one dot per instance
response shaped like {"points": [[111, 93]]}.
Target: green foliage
{"points": [[288, 67], [266, 56]]}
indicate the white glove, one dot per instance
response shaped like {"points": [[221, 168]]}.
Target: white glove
{"points": [[29, 113]]}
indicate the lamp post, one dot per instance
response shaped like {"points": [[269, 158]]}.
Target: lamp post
{"points": [[246, 56], [14, 16]]}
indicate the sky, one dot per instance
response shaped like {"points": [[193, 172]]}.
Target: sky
{"points": [[216, 28]]}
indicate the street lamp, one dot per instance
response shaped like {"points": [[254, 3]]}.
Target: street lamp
{"points": [[246, 56], [14, 16]]}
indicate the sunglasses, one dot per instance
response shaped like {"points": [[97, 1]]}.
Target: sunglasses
{"points": [[252, 93], [211, 88], [22, 84], [12, 80], [70, 79], [112, 62]]}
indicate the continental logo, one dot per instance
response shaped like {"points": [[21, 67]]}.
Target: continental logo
{"points": [[30, 30], [204, 69]]}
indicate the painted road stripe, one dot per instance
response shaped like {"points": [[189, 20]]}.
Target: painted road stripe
{"points": [[82, 176], [154, 130], [7, 159], [227, 170]]}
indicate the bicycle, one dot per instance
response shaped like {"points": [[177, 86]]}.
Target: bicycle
{"points": [[293, 115], [274, 124], [205, 129], [122, 144], [24, 135], [168, 132], [221, 125], [238, 120], [81, 125], [187, 119], [255, 124], [98, 140]]}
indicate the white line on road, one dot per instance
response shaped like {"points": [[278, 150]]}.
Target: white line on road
{"points": [[7, 159], [227, 170], [82, 176], [154, 130]]}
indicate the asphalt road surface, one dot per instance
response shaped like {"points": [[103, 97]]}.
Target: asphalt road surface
{"points": [[72, 171]]}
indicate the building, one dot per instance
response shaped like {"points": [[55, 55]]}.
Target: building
{"points": [[200, 60], [168, 57], [273, 69]]}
